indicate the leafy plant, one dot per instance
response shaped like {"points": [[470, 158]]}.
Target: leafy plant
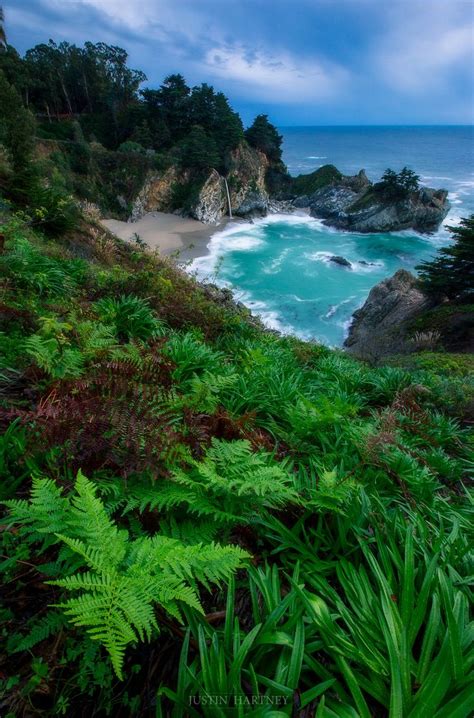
{"points": [[131, 316], [119, 580]]}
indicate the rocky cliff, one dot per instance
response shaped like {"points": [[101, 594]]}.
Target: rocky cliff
{"points": [[207, 198], [355, 204], [379, 327]]}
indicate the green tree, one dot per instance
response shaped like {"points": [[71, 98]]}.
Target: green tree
{"points": [[451, 272], [264, 136], [173, 100], [395, 185], [213, 113], [408, 180], [17, 132], [199, 151]]}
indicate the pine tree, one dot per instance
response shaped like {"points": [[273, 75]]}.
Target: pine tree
{"points": [[199, 150], [451, 273], [264, 136]]}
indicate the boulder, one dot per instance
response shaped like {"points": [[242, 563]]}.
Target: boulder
{"points": [[378, 327], [342, 261]]}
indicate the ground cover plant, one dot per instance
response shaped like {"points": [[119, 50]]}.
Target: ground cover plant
{"points": [[193, 507]]}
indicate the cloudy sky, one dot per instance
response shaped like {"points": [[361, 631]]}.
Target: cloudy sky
{"points": [[304, 62]]}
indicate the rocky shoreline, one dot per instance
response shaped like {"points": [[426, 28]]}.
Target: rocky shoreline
{"points": [[352, 203]]}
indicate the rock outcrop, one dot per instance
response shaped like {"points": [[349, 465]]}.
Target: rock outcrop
{"points": [[355, 204], [342, 261], [211, 204], [245, 181], [246, 185], [157, 193], [378, 327]]}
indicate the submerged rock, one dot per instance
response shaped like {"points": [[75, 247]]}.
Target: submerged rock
{"points": [[377, 328], [342, 261]]}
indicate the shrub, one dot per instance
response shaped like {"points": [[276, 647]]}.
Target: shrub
{"points": [[53, 211], [131, 316]]}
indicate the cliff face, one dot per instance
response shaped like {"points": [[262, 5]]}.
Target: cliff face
{"points": [[156, 194], [211, 204], [353, 203], [378, 327], [245, 181]]}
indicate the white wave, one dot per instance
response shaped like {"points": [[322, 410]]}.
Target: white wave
{"points": [[453, 197], [361, 268], [270, 317], [238, 237], [334, 307], [275, 265], [324, 257], [316, 157], [345, 326], [296, 298], [465, 183], [436, 177]]}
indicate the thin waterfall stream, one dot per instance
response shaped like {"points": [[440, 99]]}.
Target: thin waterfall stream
{"points": [[228, 198]]}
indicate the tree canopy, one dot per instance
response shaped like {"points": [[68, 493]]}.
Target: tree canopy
{"points": [[451, 272], [398, 184], [95, 86], [265, 137]]}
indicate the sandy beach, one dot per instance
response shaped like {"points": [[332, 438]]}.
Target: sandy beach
{"points": [[168, 233]]}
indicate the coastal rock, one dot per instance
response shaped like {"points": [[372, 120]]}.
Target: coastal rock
{"points": [[211, 204], [156, 195], [377, 328], [355, 204], [342, 261], [246, 180], [246, 185], [362, 211]]}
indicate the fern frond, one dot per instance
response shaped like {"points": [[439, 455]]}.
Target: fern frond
{"points": [[117, 581], [42, 629], [45, 513]]}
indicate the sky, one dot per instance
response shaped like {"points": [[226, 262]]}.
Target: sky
{"points": [[302, 62]]}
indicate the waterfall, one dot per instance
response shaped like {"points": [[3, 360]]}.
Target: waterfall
{"points": [[228, 198]]}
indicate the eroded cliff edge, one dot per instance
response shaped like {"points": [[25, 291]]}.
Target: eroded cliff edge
{"points": [[398, 318], [206, 199]]}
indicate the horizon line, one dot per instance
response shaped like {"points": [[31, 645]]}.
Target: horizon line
{"points": [[381, 124]]}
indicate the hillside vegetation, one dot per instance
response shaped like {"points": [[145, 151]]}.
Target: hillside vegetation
{"points": [[196, 506], [200, 517]]}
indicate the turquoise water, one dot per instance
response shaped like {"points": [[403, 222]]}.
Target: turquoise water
{"points": [[280, 266]]}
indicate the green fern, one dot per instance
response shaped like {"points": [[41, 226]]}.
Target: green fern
{"points": [[231, 484], [119, 580], [132, 317], [34, 271], [40, 631], [192, 356], [60, 362]]}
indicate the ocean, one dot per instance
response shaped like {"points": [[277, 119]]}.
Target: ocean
{"points": [[280, 266]]}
